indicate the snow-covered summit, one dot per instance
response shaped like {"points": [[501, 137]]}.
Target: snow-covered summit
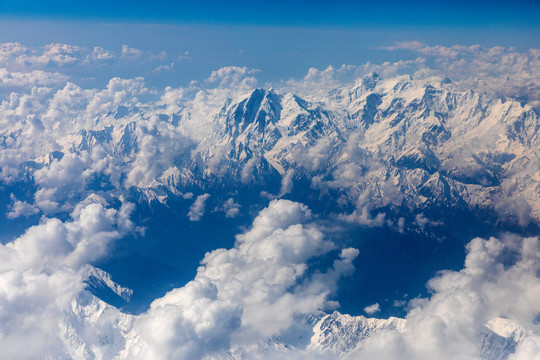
{"points": [[392, 144]]}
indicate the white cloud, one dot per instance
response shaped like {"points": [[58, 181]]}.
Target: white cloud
{"points": [[161, 68], [233, 77], [238, 299], [10, 80], [20, 208], [42, 272], [421, 220], [184, 56], [247, 170], [245, 294], [405, 45], [362, 216], [187, 323], [53, 55], [60, 181], [372, 309], [200, 101], [158, 146], [497, 70], [10, 51], [230, 208], [173, 99], [451, 322], [197, 209], [529, 349], [317, 83], [287, 182], [79, 62], [67, 119], [171, 66], [130, 53], [102, 55]]}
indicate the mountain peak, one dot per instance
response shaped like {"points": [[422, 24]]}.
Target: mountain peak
{"points": [[257, 109], [370, 81]]}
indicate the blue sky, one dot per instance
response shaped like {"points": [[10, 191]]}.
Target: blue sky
{"points": [[297, 12], [282, 39]]}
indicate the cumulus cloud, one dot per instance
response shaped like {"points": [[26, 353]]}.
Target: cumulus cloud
{"points": [[233, 76], [64, 120], [245, 294], [287, 182], [10, 80], [77, 61], [318, 83], [158, 145], [239, 297], [42, 272], [130, 53], [20, 208], [172, 65], [499, 71], [53, 54], [405, 45], [10, 51], [17, 56], [230, 208], [499, 280], [247, 169], [184, 56], [363, 214], [197, 209], [58, 181], [199, 103], [422, 221], [372, 309], [102, 55], [256, 290]]}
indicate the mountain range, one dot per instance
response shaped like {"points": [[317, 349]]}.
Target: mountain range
{"points": [[417, 158]]}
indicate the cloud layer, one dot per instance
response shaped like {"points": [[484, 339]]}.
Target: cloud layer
{"points": [[246, 294], [42, 273], [240, 296], [499, 280], [67, 152], [260, 290]]}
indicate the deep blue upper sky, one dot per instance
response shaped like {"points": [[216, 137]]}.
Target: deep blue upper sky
{"points": [[521, 13]]}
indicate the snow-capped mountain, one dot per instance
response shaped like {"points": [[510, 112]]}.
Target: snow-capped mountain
{"points": [[335, 335], [108, 336], [342, 334], [400, 143], [501, 338], [101, 284]]}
